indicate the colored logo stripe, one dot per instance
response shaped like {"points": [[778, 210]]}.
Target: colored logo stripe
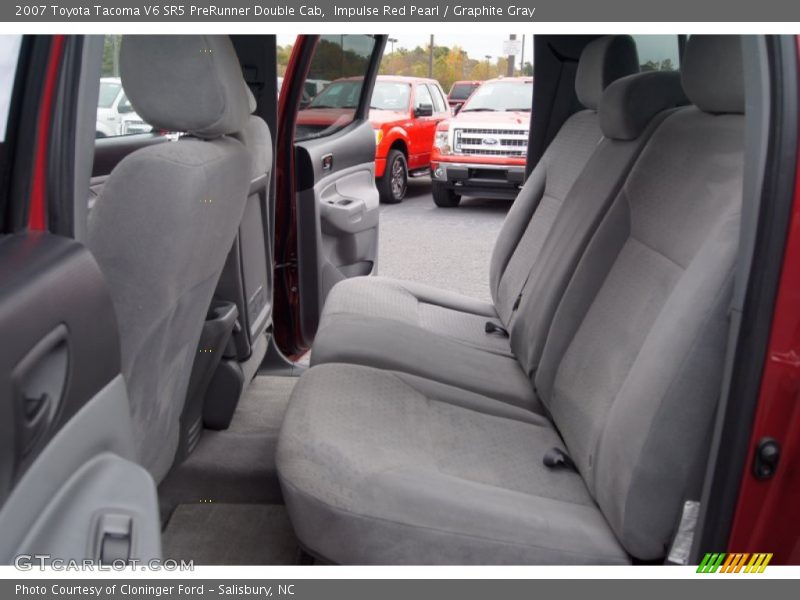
{"points": [[734, 563]]}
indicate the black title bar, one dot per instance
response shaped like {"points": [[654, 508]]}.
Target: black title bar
{"points": [[316, 11]]}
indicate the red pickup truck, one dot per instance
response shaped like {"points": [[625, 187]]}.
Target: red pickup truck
{"points": [[404, 112]]}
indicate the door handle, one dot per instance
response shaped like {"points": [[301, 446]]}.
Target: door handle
{"points": [[39, 381], [34, 406]]}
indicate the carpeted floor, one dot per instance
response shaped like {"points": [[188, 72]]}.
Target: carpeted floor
{"points": [[231, 534], [223, 504]]}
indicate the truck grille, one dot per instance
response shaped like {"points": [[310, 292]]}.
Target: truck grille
{"points": [[491, 142]]}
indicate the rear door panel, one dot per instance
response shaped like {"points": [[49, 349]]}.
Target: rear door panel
{"points": [[327, 213], [337, 215], [70, 486], [69, 478]]}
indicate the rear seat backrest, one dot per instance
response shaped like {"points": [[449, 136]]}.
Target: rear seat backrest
{"points": [[632, 366], [632, 108], [602, 61]]}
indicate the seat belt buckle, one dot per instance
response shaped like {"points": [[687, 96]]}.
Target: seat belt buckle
{"points": [[556, 458], [492, 327]]}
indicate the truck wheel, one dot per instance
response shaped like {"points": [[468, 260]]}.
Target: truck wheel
{"points": [[394, 183], [443, 196]]}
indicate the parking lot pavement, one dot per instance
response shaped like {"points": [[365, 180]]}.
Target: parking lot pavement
{"points": [[444, 247]]}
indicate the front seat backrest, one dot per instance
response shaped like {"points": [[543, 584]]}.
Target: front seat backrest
{"points": [[167, 217]]}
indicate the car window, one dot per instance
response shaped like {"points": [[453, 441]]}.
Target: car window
{"points": [[462, 91], [438, 101], [390, 95], [337, 72], [9, 54], [115, 114], [499, 96], [423, 96], [109, 91], [658, 52]]}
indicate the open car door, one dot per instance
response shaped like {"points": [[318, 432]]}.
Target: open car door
{"points": [[327, 203], [70, 488]]}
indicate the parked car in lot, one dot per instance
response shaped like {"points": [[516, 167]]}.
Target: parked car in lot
{"points": [[482, 150], [115, 115], [460, 91], [404, 112]]}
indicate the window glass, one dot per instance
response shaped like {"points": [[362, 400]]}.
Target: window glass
{"points": [[500, 96], [9, 54], [115, 115], [462, 91], [332, 89], [423, 96], [658, 52], [438, 101], [390, 95]]}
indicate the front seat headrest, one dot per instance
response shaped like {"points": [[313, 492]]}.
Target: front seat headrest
{"points": [[713, 76], [190, 83], [603, 61]]}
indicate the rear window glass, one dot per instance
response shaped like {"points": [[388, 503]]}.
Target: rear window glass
{"points": [[389, 95], [9, 54], [462, 91], [109, 90], [337, 71], [658, 52], [115, 114]]}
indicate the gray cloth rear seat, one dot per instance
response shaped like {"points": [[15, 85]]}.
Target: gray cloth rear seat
{"points": [[377, 467], [452, 315], [418, 329]]}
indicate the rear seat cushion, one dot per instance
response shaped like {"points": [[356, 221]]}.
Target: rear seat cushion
{"points": [[376, 470], [414, 304], [387, 343]]}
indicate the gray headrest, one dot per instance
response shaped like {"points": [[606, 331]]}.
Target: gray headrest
{"points": [[630, 103], [604, 60], [190, 83], [712, 73]]}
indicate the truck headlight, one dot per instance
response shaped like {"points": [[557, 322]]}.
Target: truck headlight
{"points": [[440, 142]]}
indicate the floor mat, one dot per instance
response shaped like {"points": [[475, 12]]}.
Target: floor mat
{"points": [[231, 534], [263, 405], [235, 466]]}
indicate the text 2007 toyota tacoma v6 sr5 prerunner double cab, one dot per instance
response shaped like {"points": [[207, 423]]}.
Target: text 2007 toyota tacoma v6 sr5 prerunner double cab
{"points": [[482, 150]]}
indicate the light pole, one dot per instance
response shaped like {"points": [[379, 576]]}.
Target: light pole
{"points": [[511, 61], [430, 59], [488, 57], [392, 41]]}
